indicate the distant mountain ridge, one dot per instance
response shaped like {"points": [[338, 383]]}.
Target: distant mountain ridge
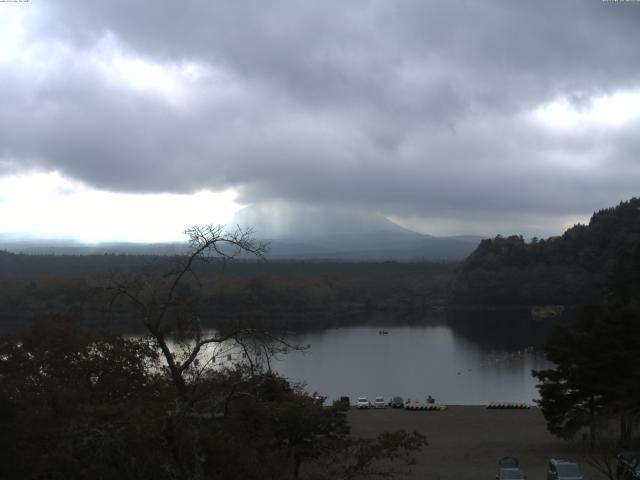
{"points": [[71, 247], [273, 221], [295, 233]]}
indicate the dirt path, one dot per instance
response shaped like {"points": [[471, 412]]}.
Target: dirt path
{"points": [[466, 442]]}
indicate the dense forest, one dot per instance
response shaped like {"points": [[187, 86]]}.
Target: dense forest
{"points": [[571, 269], [289, 295], [595, 379]]}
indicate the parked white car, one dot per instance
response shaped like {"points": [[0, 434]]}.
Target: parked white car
{"points": [[363, 402], [379, 402]]}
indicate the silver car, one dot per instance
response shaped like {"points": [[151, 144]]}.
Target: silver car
{"points": [[560, 469]]}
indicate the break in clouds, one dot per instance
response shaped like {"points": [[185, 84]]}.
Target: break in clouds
{"points": [[473, 111]]}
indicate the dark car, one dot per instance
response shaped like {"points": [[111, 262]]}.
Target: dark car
{"points": [[397, 402], [560, 469], [509, 469], [628, 466], [510, 474]]}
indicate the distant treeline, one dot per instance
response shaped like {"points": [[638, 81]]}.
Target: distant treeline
{"points": [[572, 269], [291, 295]]}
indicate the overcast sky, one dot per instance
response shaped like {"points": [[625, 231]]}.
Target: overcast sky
{"points": [[133, 120]]}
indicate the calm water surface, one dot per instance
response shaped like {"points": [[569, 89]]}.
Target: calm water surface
{"points": [[468, 368]]}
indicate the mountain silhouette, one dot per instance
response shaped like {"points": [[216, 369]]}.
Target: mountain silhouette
{"points": [[338, 234]]}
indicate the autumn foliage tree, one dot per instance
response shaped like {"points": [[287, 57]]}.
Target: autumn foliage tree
{"points": [[81, 404], [75, 404]]}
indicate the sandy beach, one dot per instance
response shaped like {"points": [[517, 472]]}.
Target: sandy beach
{"points": [[465, 442]]}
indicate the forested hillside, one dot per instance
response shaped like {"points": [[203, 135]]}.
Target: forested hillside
{"points": [[571, 269]]}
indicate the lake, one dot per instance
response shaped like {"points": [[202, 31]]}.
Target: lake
{"points": [[458, 364]]}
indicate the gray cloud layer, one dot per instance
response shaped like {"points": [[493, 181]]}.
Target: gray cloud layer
{"points": [[415, 108]]}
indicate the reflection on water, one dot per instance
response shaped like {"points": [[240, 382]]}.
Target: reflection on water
{"points": [[416, 361], [470, 360]]}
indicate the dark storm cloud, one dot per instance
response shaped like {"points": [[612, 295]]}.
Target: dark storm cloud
{"points": [[410, 108]]}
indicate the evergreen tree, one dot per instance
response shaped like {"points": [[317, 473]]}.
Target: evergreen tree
{"points": [[571, 393], [597, 373]]}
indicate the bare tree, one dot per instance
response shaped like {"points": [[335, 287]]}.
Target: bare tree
{"points": [[602, 456], [610, 457], [165, 306], [165, 309], [208, 392]]}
